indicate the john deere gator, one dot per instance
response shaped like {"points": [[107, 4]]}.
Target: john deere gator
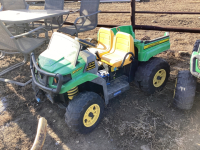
{"points": [[82, 77], [186, 81]]}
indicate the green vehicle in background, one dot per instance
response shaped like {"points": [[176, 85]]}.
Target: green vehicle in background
{"points": [[83, 82], [185, 86]]}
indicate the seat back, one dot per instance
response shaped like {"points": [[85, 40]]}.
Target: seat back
{"points": [[127, 29], [13, 4], [89, 7], [123, 44], [54, 5], [6, 43], [105, 38]]}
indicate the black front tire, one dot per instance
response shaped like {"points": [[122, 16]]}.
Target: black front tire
{"points": [[78, 108], [146, 72], [185, 88]]}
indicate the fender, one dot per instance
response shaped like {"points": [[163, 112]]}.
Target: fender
{"points": [[102, 82], [77, 81]]}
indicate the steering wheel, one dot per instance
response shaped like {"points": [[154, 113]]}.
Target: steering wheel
{"points": [[85, 43]]}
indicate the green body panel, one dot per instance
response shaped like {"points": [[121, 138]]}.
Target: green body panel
{"points": [[60, 65], [144, 54], [81, 78], [197, 68], [127, 29]]}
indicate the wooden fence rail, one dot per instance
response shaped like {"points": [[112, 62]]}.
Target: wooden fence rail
{"points": [[143, 27]]}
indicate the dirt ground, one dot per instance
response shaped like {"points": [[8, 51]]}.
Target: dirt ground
{"points": [[130, 120]]}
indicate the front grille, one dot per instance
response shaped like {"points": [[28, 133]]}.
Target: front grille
{"points": [[41, 78]]}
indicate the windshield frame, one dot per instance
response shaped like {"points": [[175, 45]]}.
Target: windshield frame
{"points": [[64, 44]]}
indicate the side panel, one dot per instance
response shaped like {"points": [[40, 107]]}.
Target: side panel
{"points": [[102, 82], [148, 49]]}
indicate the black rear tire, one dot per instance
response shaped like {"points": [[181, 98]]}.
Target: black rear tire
{"points": [[185, 88], [78, 109], [146, 72]]}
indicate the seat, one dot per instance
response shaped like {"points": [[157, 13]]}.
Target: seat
{"points": [[10, 44], [14, 5], [105, 42], [123, 43], [55, 22], [88, 18]]}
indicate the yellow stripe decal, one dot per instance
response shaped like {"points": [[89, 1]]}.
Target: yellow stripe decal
{"points": [[90, 66], [156, 43], [76, 70]]}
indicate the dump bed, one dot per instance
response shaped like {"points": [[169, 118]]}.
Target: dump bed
{"points": [[146, 49]]}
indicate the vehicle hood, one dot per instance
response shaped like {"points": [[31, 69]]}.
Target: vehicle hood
{"points": [[52, 62]]}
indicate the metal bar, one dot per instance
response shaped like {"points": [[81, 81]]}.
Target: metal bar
{"points": [[44, 0], [108, 25], [101, 1], [146, 27], [99, 25], [159, 12], [153, 12], [174, 29], [133, 14], [115, 12]]}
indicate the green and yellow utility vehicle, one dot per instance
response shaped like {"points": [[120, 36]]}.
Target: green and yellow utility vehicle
{"points": [[186, 81], [82, 77]]}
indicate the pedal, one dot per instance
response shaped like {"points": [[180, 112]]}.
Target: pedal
{"points": [[118, 86]]}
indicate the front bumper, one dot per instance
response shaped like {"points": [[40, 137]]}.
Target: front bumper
{"points": [[35, 71]]}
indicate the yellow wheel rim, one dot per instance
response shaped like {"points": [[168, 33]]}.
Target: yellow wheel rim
{"points": [[159, 78], [91, 115], [175, 88]]}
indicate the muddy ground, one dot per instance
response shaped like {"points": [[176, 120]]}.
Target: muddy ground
{"points": [[130, 120]]}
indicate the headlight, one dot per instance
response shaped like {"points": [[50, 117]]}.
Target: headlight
{"points": [[55, 81], [66, 78]]}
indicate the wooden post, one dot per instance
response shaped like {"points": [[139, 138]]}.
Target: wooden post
{"points": [[133, 14], [41, 134]]}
